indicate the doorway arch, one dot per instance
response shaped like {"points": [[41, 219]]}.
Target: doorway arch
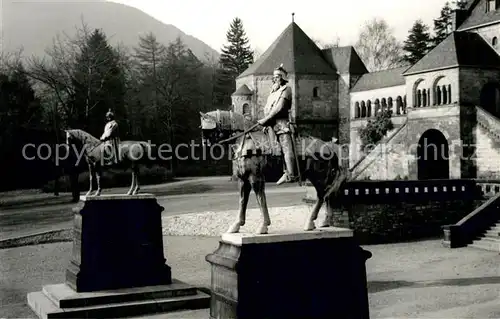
{"points": [[433, 156], [490, 98]]}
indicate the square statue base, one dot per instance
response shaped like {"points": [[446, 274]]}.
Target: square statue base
{"points": [[118, 268], [286, 275]]}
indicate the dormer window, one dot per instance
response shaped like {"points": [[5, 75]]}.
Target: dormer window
{"points": [[492, 5]]}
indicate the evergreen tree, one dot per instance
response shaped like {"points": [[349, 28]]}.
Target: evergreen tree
{"points": [[236, 57], [99, 83], [150, 55], [442, 25], [418, 42]]}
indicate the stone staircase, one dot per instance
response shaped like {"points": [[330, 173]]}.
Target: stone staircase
{"points": [[490, 240]]}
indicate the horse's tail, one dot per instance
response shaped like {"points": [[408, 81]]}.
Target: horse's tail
{"points": [[336, 180]]}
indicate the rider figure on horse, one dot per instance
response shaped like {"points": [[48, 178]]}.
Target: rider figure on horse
{"points": [[111, 139], [277, 122]]}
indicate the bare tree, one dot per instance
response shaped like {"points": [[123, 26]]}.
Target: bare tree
{"points": [[378, 47], [68, 67], [327, 45]]}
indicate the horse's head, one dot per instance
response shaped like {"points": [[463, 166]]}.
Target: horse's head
{"points": [[212, 128], [69, 137]]}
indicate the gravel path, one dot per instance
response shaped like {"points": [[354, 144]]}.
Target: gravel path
{"points": [[214, 223], [412, 280]]}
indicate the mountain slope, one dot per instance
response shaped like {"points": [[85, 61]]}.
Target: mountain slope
{"points": [[34, 24]]}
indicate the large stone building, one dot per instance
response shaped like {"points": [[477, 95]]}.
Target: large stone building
{"points": [[448, 101]]}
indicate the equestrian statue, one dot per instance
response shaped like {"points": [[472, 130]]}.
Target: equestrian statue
{"points": [[305, 157], [109, 151]]}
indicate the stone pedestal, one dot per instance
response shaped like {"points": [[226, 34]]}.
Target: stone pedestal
{"points": [[317, 274], [117, 267], [118, 244]]}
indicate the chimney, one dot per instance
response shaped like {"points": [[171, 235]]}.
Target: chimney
{"points": [[458, 16]]}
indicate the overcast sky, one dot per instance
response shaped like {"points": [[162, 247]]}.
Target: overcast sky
{"points": [[324, 20]]}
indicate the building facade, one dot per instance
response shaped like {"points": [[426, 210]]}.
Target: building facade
{"points": [[446, 107]]}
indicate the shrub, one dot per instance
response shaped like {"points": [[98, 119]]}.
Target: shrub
{"points": [[114, 178], [376, 129]]}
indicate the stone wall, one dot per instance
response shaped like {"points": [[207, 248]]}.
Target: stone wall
{"points": [[388, 161], [388, 211], [325, 105], [472, 82], [489, 32], [487, 155], [402, 221], [344, 116], [355, 153]]}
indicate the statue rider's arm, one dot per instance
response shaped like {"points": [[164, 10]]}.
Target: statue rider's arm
{"points": [[286, 95], [109, 130]]}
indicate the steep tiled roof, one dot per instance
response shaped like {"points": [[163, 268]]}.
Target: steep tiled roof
{"points": [[477, 20], [477, 16], [243, 90], [459, 48], [345, 59], [380, 79], [298, 53]]}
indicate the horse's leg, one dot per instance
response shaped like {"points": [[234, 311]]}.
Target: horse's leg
{"points": [[320, 192], [135, 169], [98, 170], [258, 183], [245, 189], [91, 179], [328, 221], [134, 179]]}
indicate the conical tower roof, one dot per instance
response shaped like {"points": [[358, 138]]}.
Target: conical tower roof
{"points": [[296, 51]]}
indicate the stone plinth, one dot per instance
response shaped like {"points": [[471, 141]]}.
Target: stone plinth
{"points": [[316, 274], [118, 244], [117, 267]]}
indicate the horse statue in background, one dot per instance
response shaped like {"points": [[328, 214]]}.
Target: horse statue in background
{"points": [[251, 146], [132, 154]]}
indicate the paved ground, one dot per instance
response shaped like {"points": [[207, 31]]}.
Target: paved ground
{"points": [[414, 280], [23, 214]]}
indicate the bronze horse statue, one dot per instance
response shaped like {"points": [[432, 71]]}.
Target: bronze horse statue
{"points": [[132, 153], [318, 163]]}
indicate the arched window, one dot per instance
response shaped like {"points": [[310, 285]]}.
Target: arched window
{"points": [[404, 104], [424, 97], [246, 109], [369, 108], [363, 109], [384, 104], [390, 104], [399, 105], [445, 94], [419, 98], [494, 42], [356, 110], [439, 98], [316, 92]]}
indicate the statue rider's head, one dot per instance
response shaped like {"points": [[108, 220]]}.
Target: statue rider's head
{"points": [[110, 115], [279, 76]]}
